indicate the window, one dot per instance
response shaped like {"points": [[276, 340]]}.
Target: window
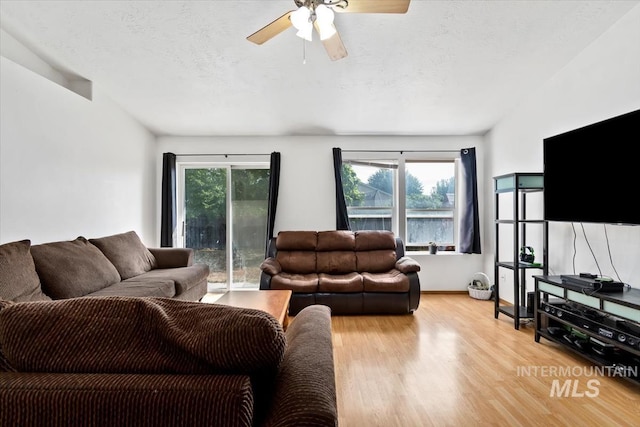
{"points": [[220, 203], [413, 197]]}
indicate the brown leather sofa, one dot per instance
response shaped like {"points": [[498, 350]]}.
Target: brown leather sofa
{"points": [[352, 272], [115, 265], [130, 361]]}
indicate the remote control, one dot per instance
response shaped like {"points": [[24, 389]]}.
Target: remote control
{"points": [[588, 275]]}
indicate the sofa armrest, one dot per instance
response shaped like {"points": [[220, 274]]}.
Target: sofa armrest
{"points": [[172, 257], [271, 266], [305, 392], [125, 399], [407, 265]]}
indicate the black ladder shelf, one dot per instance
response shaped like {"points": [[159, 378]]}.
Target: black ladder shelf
{"points": [[518, 185]]}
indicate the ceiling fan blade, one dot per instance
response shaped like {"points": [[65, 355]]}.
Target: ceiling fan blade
{"points": [[374, 6], [333, 45], [271, 30]]}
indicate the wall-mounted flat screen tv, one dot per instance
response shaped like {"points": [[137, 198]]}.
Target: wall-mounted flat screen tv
{"points": [[592, 174]]}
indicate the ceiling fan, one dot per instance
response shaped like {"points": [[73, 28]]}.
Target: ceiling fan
{"points": [[319, 14]]}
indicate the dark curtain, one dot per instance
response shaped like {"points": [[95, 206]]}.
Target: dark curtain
{"points": [[274, 184], [168, 215], [469, 216], [342, 218]]}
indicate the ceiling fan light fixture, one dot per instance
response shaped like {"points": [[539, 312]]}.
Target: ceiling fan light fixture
{"points": [[301, 20], [324, 22]]}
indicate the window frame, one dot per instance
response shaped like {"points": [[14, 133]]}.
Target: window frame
{"points": [[399, 209], [214, 161]]}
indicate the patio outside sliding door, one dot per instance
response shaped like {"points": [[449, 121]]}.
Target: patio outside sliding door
{"points": [[223, 209]]}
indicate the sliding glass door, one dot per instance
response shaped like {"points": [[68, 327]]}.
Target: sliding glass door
{"points": [[223, 211]]}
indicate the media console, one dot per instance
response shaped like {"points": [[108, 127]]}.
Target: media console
{"points": [[603, 327]]}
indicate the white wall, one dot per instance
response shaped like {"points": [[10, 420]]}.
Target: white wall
{"points": [[601, 82], [307, 188], [70, 166]]}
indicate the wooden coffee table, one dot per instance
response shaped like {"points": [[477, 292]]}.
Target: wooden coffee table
{"points": [[274, 302]]}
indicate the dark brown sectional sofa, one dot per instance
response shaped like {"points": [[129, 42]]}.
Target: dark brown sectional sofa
{"points": [[116, 265], [352, 272]]}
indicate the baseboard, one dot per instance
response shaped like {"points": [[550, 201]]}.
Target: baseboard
{"points": [[445, 292]]}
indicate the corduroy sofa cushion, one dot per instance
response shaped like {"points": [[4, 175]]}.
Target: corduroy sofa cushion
{"points": [[184, 278], [71, 269], [127, 253], [125, 400], [5, 366], [165, 288], [139, 335], [18, 278]]}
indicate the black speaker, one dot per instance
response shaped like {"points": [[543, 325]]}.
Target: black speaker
{"points": [[530, 303], [526, 254]]}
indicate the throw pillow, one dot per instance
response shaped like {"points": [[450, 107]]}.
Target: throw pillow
{"points": [[127, 252], [18, 278], [73, 268], [139, 335]]}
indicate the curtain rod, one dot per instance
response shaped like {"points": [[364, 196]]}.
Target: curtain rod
{"points": [[400, 151], [225, 155]]}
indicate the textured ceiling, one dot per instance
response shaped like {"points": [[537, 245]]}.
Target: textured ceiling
{"points": [[186, 68]]}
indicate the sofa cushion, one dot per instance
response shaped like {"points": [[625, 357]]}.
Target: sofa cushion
{"points": [[351, 282], [376, 261], [139, 335], [138, 288], [5, 366], [73, 268], [368, 240], [336, 240], [336, 262], [126, 400], [297, 262], [18, 278], [303, 283], [184, 278], [391, 281], [127, 253], [297, 241]]}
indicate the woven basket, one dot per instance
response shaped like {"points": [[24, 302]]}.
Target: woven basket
{"points": [[483, 294]]}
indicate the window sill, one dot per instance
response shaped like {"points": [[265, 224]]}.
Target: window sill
{"points": [[445, 253]]}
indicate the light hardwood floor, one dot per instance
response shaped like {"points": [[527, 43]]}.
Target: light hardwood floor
{"points": [[453, 364]]}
